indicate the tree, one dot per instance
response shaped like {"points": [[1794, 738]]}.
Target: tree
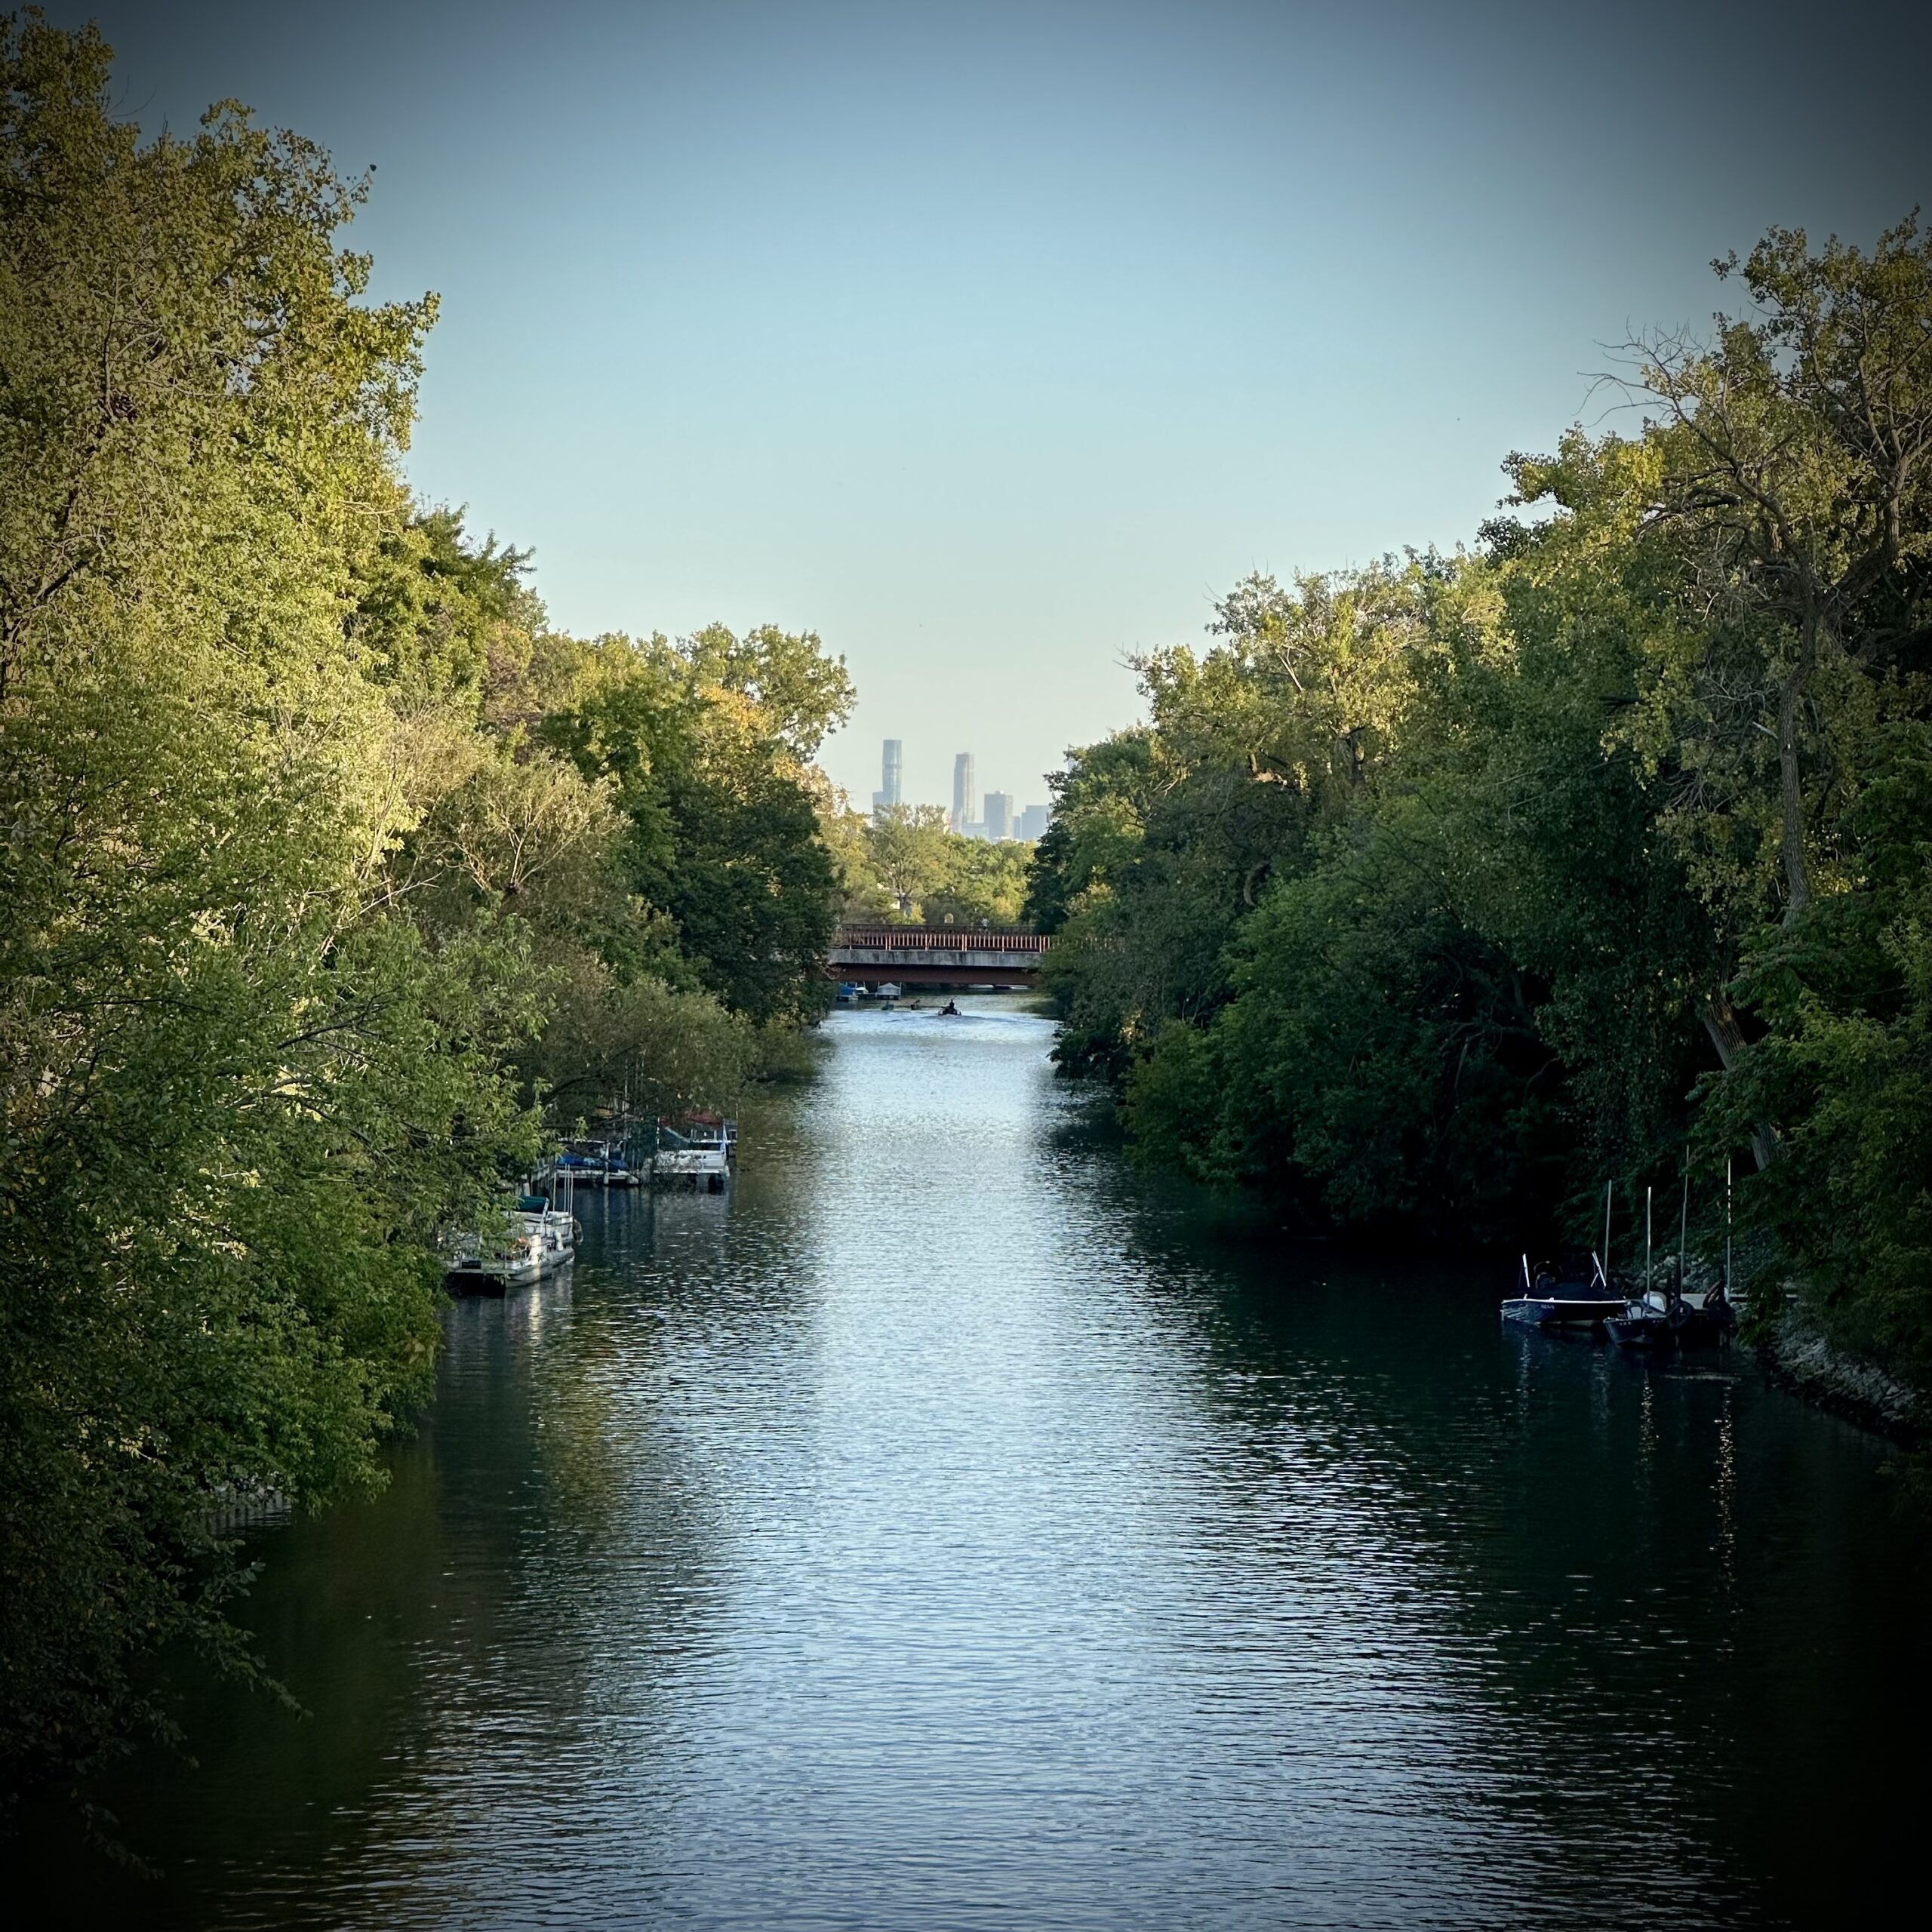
{"points": [[1312, 684], [1797, 475], [906, 851], [724, 820], [981, 882], [1437, 895], [242, 1094], [798, 691], [658, 1049], [328, 868]]}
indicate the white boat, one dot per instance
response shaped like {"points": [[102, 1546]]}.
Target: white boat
{"points": [[540, 1242], [701, 1166], [1576, 1293], [702, 1150]]}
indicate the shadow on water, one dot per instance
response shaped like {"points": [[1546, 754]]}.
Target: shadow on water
{"points": [[1675, 1602], [950, 1528]]}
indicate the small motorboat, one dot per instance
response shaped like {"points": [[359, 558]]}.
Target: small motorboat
{"points": [[950, 1010], [1640, 1326], [1686, 1319], [1575, 1292]]}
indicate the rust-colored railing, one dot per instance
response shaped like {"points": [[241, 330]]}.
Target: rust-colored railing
{"points": [[937, 938]]}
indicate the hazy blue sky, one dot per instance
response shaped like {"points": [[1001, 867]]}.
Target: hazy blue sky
{"points": [[991, 342]]}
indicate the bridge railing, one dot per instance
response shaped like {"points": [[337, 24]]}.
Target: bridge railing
{"points": [[938, 939]]}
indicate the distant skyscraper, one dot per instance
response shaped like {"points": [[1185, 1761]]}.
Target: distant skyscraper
{"points": [[890, 792], [999, 815], [962, 791], [1033, 822]]}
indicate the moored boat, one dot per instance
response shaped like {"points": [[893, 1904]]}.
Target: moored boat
{"points": [[539, 1242], [702, 1148], [1640, 1326], [594, 1164], [1675, 1315], [1574, 1293], [1689, 1318]]}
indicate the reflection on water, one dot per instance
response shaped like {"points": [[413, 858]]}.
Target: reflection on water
{"points": [[947, 1530]]}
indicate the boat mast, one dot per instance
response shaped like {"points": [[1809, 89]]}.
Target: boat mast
{"points": [[1648, 1227], [1683, 1233], [1603, 1266], [1727, 1227]]}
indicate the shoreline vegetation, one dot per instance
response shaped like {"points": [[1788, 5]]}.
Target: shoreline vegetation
{"points": [[1435, 895], [337, 883]]}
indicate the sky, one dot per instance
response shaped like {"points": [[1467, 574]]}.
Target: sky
{"points": [[991, 343]]}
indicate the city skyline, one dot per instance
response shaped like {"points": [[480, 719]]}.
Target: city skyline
{"points": [[1000, 816]]}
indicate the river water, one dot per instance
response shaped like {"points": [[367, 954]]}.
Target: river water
{"points": [[949, 1530]]}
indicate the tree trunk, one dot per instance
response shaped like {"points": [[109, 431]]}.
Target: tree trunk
{"points": [[1720, 1018], [1791, 776]]}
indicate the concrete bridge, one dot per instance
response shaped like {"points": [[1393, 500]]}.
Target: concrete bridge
{"points": [[936, 956]]}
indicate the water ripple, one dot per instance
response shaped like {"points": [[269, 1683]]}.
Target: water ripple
{"points": [[949, 1531]]}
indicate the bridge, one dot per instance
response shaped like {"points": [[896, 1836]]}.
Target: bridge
{"points": [[935, 956]]}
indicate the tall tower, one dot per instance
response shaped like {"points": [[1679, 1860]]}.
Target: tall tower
{"points": [[962, 791], [890, 791]]}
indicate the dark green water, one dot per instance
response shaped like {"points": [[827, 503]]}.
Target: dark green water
{"points": [[946, 1530]]}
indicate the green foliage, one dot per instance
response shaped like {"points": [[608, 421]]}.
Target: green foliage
{"points": [[327, 869], [1433, 896], [723, 818], [797, 692], [1164, 840], [434, 615], [903, 853], [1844, 1067], [981, 882], [665, 1050], [1377, 1055], [242, 1094], [904, 867]]}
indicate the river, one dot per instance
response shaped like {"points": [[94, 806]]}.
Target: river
{"points": [[948, 1529]]}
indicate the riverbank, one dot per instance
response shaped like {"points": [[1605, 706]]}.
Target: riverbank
{"points": [[1797, 1356]]}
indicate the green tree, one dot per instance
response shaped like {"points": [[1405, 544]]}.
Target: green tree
{"points": [[1434, 896], [905, 853], [242, 1093], [981, 882], [725, 833]]}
